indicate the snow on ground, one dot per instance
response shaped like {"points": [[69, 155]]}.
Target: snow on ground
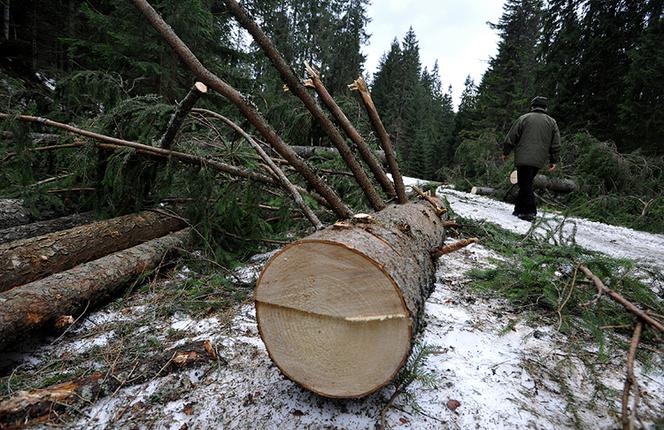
{"points": [[646, 249], [504, 373]]}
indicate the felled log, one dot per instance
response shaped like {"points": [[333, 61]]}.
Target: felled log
{"points": [[32, 306], [42, 405], [338, 310], [541, 182], [39, 228], [483, 191], [180, 113], [13, 213], [26, 260]]}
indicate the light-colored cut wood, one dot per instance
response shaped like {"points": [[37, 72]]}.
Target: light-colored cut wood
{"points": [[338, 310]]}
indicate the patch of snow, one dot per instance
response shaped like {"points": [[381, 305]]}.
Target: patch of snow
{"points": [[83, 345], [504, 373], [248, 274], [645, 249], [48, 82]]}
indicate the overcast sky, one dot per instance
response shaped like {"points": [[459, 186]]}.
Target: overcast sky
{"points": [[452, 31]]}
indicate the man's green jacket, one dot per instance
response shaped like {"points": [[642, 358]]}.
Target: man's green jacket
{"points": [[535, 139]]}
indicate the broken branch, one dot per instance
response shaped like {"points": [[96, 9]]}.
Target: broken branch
{"points": [[446, 249]]}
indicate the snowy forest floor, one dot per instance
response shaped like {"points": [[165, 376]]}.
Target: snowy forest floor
{"points": [[505, 368]]}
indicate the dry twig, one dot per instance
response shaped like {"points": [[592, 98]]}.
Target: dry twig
{"points": [[630, 381]]}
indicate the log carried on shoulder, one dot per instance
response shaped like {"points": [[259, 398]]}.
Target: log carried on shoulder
{"points": [[338, 310], [558, 185], [26, 260]]}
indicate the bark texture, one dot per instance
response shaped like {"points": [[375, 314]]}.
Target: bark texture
{"points": [[364, 150], [392, 245], [13, 213], [43, 227], [24, 261], [31, 306]]}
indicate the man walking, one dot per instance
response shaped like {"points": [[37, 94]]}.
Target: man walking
{"points": [[535, 139]]}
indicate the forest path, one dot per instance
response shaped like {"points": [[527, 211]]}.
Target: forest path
{"points": [[645, 249]]}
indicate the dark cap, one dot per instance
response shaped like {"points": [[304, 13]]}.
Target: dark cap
{"points": [[539, 102]]}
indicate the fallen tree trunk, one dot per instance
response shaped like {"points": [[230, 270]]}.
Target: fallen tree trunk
{"points": [[39, 406], [24, 261], [13, 213], [43, 227], [32, 306], [483, 191], [338, 310], [541, 182]]}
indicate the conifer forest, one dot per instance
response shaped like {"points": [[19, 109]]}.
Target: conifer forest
{"points": [[214, 214]]}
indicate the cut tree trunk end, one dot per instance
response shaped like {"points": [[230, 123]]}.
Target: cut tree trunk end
{"points": [[181, 111], [338, 310], [35, 305], [558, 185], [26, 260]]}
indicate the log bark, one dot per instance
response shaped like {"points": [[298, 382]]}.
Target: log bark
{"points": [[44, 227], [276, 171], [542, 182], [26, 260], [252, 115], [295, 85], [483, 191], [342, 120], [181, 112], [39, 406], [384, 138], [338, 310], [32, 306], [13, 213]]}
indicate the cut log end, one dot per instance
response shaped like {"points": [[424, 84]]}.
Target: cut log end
{"points": [[332, 319], [201, 87]]}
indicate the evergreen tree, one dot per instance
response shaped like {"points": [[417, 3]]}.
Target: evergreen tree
{"points": [[641, 113], [509, 83]]}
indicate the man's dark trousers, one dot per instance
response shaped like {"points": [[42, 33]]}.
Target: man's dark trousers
{"points": [[525, 201]]}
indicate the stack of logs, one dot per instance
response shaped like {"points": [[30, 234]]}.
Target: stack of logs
{"points": [[55, 269]]}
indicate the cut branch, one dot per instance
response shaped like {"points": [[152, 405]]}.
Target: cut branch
{"points": [[252, 115], [620, 299], [278, 173], [153, 151], [453, 247], [630, 381], [432, 201], [363, 148], [383, 137], [180, 114], [301, 92]]}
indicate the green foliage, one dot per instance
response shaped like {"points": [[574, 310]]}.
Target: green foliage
{"points": [[533, 272]]}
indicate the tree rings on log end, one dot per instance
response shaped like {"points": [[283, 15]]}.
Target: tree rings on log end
{"points": [[332, 319]]}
